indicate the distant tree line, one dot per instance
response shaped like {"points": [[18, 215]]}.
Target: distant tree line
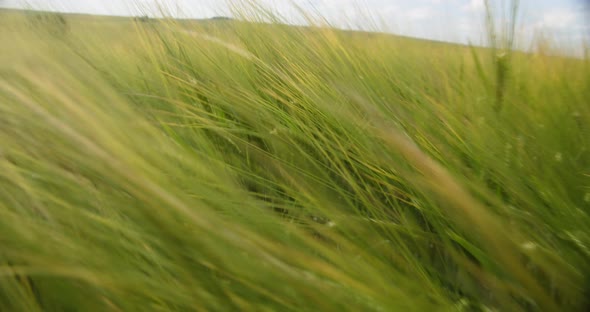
{"points": [[52, 23], [142, 19]]}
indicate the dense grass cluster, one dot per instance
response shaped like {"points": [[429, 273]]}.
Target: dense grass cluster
{"points": [[234, 166]]}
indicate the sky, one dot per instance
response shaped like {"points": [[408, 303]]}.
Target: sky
{"points": [[565, 21]]}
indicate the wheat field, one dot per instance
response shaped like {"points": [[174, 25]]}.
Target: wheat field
{"points": [[225, 165]]}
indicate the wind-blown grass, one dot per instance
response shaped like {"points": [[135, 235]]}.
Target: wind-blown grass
{"points": [[175, 166]]}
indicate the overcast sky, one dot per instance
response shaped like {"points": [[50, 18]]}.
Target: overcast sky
{"points": [[448, 20]]}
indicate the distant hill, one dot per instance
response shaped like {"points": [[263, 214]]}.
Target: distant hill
{"points": [[83, 17], [221, 18], [187, 21]]}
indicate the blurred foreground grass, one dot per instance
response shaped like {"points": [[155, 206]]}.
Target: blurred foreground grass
{"points": [[224, 165]]}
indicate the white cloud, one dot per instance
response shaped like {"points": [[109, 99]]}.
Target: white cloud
{"points": [[558, 19], [562, 27], [475, 6], [420, 13], [390, 9], [562, 23]]}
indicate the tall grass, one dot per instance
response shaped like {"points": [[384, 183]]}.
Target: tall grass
{"points": [[231, 165]]}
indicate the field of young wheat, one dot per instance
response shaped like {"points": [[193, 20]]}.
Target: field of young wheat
{"points": [[161, 165]]}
